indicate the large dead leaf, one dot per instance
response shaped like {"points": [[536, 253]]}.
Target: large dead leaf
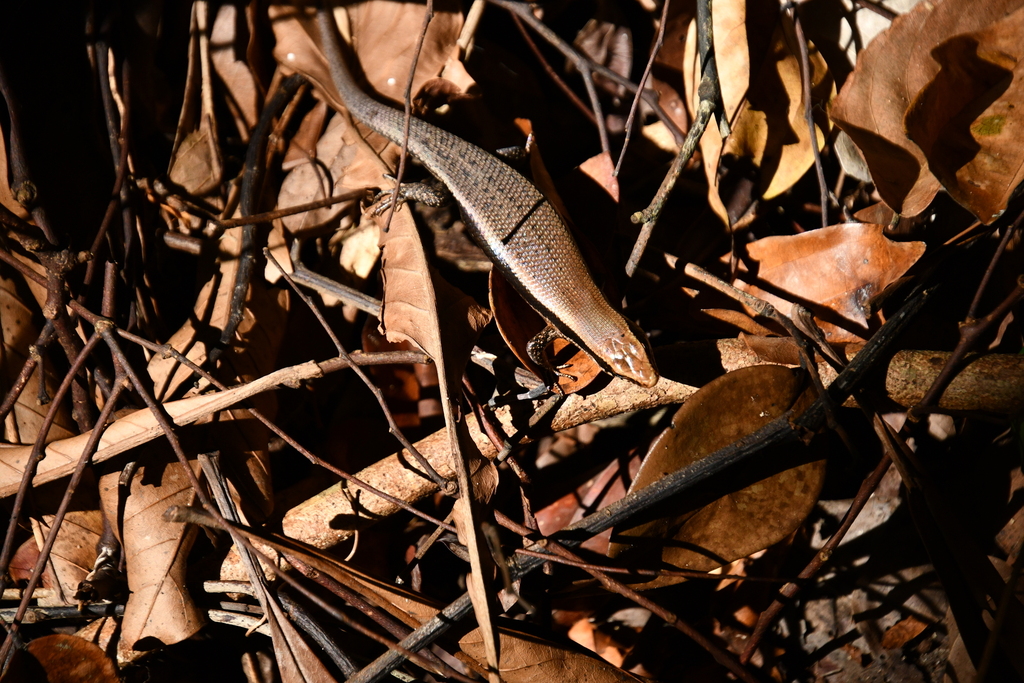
{"points": [[890, 73], [969, 120], [761, 506], [759, 65], [160, 610], [526, 658], [350, 167], [833, 271]]}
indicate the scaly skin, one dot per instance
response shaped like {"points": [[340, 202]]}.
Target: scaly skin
{"points": [[517, 228]]}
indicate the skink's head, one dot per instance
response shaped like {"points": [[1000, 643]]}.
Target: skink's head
{"points": [[628, 355]]}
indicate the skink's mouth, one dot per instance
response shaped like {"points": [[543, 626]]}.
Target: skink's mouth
{"points": [[629, 358]]}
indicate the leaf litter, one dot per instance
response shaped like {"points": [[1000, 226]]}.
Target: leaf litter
{"points": [[932, 105]]}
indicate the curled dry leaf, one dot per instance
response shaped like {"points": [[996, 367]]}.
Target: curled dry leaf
{"points": [[527, 658], [834, 272], [759, 65], [890, 73], [762, 504], [968, 121]]}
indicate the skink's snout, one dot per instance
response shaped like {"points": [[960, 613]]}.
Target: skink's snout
{"points": [[631, 358]]}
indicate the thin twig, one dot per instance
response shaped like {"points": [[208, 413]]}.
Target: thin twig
{"points": [[21, 381], [876, 8], [972, 311], [649, 216], [659, 40], [805, 80], [268, 216], [569, 93]]}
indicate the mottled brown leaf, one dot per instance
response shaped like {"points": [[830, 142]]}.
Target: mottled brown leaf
{"points": [[74, 549], [69, 659], [761, 506], [890, 73], [969, 120], [160, 610]]}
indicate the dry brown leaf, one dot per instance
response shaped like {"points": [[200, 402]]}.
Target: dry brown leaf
{"points": [[968, 120], [743, 31], [66, 659], [351, 166], [526, 658], [19, 333], [833, 271], [890, 73], [761, 506], [762, 90], [23, 562], [160, 610]]}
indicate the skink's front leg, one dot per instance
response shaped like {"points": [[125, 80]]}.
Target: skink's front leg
{"points": [[535, 349], [431, 192]]}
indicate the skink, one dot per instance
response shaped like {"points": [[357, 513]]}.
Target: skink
{"points": [[514, 224]]}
